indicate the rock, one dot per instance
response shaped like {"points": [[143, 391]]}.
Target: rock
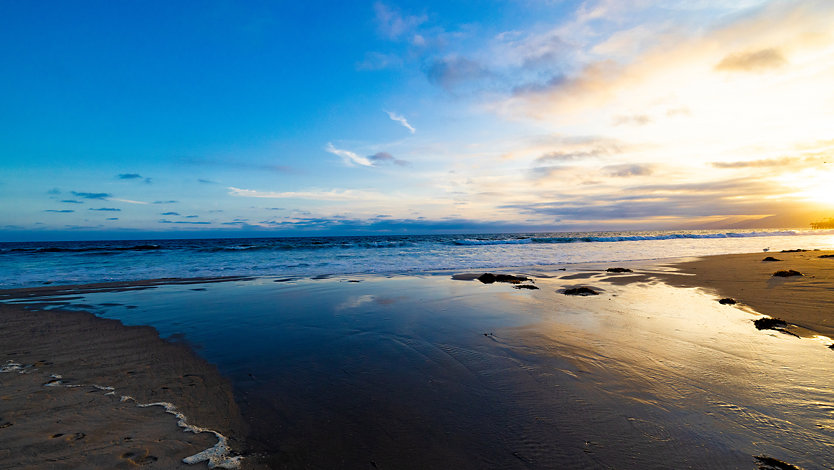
{"points": [[619, 270], [788, 273], [798, 250], [768, 323], [826, 256], [489, 278], [580, 291], [727, 301], [526, 286], [770, 258], [769, 463]]}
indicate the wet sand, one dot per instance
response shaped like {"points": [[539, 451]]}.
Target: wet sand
{"points": [[431, 371], [804, 301], [74, 391]]}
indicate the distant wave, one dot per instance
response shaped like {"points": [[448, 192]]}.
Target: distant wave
{"points": [[623, 238]]}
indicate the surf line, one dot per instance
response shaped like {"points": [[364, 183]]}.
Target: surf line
{"points": [[216, 456]]}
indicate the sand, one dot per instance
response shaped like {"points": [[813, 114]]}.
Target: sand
{"points": [[64, 387], [804, 301]]}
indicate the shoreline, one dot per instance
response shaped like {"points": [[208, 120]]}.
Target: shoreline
{"points": [[80, 390], [747, 279], [98, 353]]}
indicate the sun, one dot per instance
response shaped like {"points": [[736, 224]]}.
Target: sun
{"points": [[813, 184]]}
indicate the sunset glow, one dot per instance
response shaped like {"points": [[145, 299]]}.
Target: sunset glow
{"points": [[415, 117]]}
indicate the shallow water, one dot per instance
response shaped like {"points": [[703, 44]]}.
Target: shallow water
{"points": [[428, 372]]}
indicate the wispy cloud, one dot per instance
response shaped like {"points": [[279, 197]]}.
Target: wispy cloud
{"points": [[755, 61], [402, 120], [100, 196], [60, 211], [105, 209], [165, 221], [394, 25], [170, 213], [348, 157], [129, 201], [165, 202], [129, 176], [385, 157], [72, 201], [330, 195]]}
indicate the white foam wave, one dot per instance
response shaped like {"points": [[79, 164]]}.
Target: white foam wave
{"points": [[217, 456]]}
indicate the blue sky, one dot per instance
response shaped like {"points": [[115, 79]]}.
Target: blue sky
{"points": [[222, 118]]}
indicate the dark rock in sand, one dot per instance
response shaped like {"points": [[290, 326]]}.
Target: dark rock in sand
{"points": [[526, 286], [727, 301], [826, 256], [768, 323], [580, 291], [769, 463], [788, 273], [770, 258], [489, 278], [619, 270], [798, 250]]}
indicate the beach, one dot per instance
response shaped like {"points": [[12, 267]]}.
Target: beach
{"points": [[433, 370]]}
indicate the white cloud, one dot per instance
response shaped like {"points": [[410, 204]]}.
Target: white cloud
{"points": [[402, 120], [347, 156], [320, 195], [126, 200]]}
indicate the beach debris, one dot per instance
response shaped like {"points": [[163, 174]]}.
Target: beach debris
{"points": [[489, 278], [619, 270], [767, 323], [787, 273], [769, 463], [580, 291], [525, 286], [727, 301], [798, 250], [770, 258], [826, 256]]}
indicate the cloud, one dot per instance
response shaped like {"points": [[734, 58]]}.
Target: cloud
{"points": [[453, 70], [636, 119], [626, 170], [191, 216], [129, 176], [112, 218], [205, 181], [203, 162], [755, 61], [129, 201], [60, 211], [105, 209], [92, 195], [392, 24], [164, 221], [331, 195], [385, 157], [379, 61], [72, 201], [164, 202], [787, 162], [170, 213], [348, 157], [402, 120]]}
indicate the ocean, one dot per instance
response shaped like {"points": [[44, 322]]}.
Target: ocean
{"points": [[31, 264]]}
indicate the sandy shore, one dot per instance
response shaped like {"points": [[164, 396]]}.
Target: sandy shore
{"points": [[804, 301], [65, 387], [433, 371]]}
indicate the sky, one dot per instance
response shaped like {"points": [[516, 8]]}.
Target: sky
{"points": [[223, 118]]}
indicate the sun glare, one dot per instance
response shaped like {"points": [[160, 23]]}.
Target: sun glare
{"points": [[814, 185]]}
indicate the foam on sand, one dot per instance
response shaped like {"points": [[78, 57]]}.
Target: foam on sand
{"points": [[216, 456]]}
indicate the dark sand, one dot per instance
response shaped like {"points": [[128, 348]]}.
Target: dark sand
{"points": [[806, 301], [78, 421]]}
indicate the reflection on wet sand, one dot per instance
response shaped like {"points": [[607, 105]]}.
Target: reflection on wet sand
{"points": [[431, 372]]}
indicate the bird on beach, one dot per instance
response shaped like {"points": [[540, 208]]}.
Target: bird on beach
{"points": [[766, 249]]}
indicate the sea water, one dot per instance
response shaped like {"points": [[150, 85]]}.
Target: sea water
{"points": [[30, 264]]}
